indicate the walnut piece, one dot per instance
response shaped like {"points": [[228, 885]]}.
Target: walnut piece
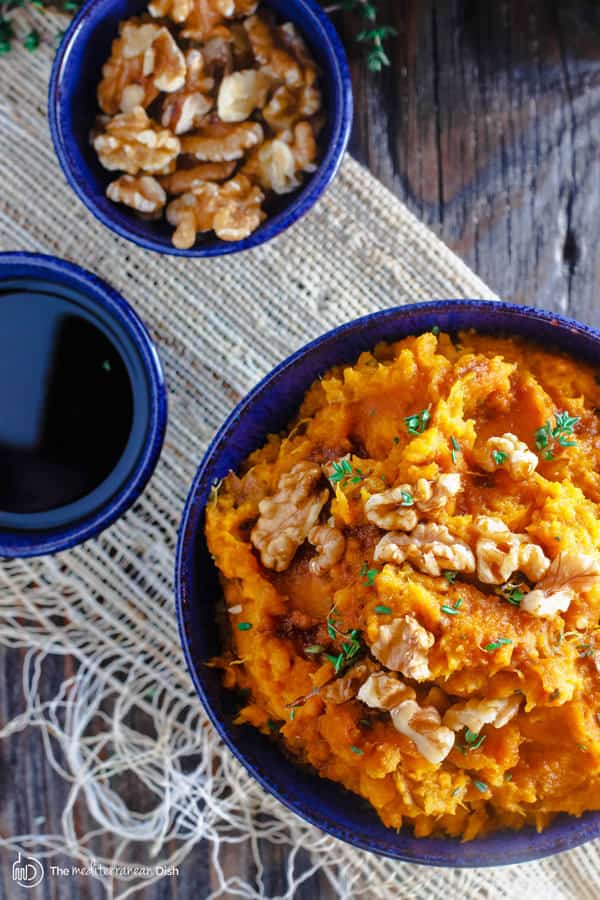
{"points": [[286, 518], [232, 210], [184, 180], [474, 714], [185, 109], [430, 547], [330, 544], [398, 507], [520, 461], [423, 725], [569, 573], [142, 193], [383, 691], [200, 17], [280, 162], [403, 646], [287, 106], [347, 686], [133, 143], [221, 142], [145, 60], [241, 93], [500, 553]]}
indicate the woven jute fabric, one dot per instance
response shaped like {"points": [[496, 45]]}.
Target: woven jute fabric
{"points": [[108, 605]]}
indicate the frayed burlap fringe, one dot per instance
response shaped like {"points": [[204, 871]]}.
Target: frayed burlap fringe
{"points": [[220, 325]]}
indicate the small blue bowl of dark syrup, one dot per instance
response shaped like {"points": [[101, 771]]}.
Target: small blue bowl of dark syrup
{"points": [[83, 405]]}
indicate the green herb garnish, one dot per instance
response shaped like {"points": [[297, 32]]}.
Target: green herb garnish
{"points": [[336, 661], [473, 740], [357, 750], [343, 473], [373, 35], [417, 422], [508, 776], [32, 41], [512, 592], [292, 715], [455, 449], [244, 626], [313, 648], [449, 575], [369, 574], [435, 330], [456, 791], [495, 645], [499, 456], [548, 436], [383, 610], [481, 786], [407, 499], [449, 610]]}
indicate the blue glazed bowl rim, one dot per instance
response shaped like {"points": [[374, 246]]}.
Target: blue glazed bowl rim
{"points": [[303, 200], [435, 851], [36, 543]]}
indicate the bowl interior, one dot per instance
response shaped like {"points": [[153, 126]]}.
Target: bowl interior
{"points": [[269, 408], [73, 108]]}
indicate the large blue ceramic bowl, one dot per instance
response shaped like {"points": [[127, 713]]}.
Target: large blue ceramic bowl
{"points": [[268, 408], [72, 109], [46, 279]]}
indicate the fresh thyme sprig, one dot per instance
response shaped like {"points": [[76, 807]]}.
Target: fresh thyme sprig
{"points": [[373, 34], [548, 436], [343, 473]]}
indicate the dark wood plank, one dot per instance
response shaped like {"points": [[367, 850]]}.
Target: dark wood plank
{"points": [[486, 125]]}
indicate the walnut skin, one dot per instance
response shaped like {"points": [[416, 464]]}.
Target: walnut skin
{"points": [[423, 725], [398, 508], [474, 714], [287, 518], [500, 553], [184, 180], [222, 142], [383, 691], [186, 109]]}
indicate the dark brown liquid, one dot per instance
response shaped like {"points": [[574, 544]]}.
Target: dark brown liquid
{"points": [[66, 403]]}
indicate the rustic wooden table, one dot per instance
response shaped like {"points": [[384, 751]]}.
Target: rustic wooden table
{"points": [[487, 126]]}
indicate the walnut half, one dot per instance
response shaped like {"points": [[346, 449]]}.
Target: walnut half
{"points": [[430, 547], [500, 553], [286, 518], [474, 714], [568, 574], [403, 646], [330, 544], [142, 193], [423, 725], [516, 457], [133, 143], [398, 508]]}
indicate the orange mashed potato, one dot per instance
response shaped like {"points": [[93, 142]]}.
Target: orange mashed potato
{"points": [[412, 575]]}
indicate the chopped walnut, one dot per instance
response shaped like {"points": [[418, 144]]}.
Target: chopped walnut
{"points": [[133, 143], [569, 574], [200, 17], [431, 496], [398, 508], [273, 58], [142, 193], [500, 553], [241, 93], [430, 547], [222, 142], [232, 210], [520, 461], [330, 544], [184, 180], [392, 509], [383, 691], [346, 687], [286, 518], [186, 109], [423, 725], [280, 162], [287, 106], [403, 646], [239, 211], [144, 61], [474, 714]]}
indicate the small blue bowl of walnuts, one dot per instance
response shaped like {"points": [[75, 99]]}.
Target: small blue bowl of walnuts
{"points": [[200, 127]]}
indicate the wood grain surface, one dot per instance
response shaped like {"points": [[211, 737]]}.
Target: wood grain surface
{"points": [[487, 126]]}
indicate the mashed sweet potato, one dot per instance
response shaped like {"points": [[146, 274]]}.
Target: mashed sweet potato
{"points": [[412, 573]]}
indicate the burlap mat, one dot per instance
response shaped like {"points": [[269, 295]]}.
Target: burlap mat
{"points": [[220, 325]]}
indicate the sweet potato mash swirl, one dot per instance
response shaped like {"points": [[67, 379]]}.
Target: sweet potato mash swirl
{"points": [[412, 573]]}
